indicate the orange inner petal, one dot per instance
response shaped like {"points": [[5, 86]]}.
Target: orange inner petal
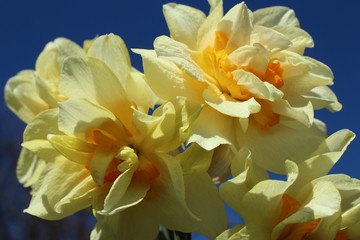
{"points": [[341, 235], [289, 205]]}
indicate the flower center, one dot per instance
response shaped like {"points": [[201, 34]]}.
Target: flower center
{"points": [[127, 158], [215, 62]]}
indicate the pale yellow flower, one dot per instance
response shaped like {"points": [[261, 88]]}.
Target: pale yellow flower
{"points": [[32, 91], [103, 150], [309, 205], [247, 70]]}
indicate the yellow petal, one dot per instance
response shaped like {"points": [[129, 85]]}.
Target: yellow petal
{"points": [[260, 206], [167, 80], [350, 202], [125, 193], [237, 26], [72, 148], [324, 157], [271, 148], [200, 188], [132, 223], [167, 197], [92, 79], [64, 188], [99, 164], [36, 132], [298, 109], [180, 54], [299, 38], [21, 98], [156, 130], [325, 202], [254, 57], [323, 96], [235, 189], [112, 50], [144, 97], [231, 107], [255, 86], [207, 29], [42, 149], [183, 22], [195, 159], [301, 74], [273, 16], [271, 39], [29, 167], [211, 129], [80, 118]]}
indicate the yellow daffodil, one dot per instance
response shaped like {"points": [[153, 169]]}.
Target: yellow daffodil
{"points": [[309, 205], [247, 69], [104, 150], [32, 91]]}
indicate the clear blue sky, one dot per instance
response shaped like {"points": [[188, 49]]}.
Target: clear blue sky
{"points": [[26, 26]]}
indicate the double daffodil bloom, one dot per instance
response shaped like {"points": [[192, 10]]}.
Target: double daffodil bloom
{"points": [[247, 69], [105, 151], [309, 205], [32, 91]]}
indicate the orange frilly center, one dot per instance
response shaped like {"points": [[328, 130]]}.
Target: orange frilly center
{"points": [[297, 231], [214, 61]]}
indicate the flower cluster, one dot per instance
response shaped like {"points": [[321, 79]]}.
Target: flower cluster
{"points": [[226, 98]]}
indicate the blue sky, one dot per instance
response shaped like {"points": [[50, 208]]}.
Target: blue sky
{"points": [[26, 26]]}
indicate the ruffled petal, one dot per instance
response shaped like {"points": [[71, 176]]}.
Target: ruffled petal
{"points": [[21, 98], [29, 167], [64, 188]]}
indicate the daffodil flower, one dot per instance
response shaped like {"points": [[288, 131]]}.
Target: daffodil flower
{"points": [[32, 91], [247, 70], [104, 150], [309, 205]]}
